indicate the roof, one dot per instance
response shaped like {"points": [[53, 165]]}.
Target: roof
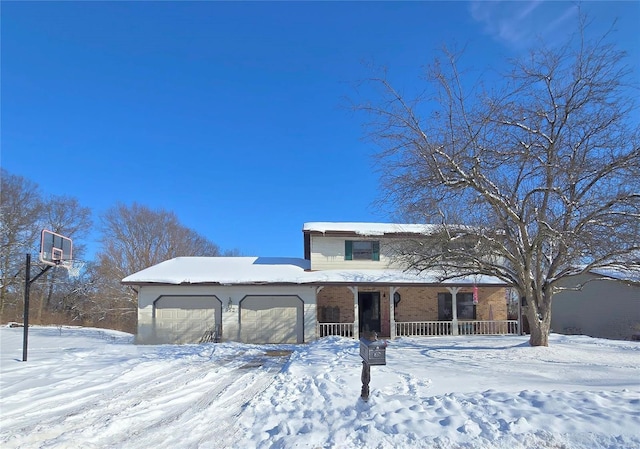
{"points": [[273, 270], [222, 270], [368, 228], [628, 274]]}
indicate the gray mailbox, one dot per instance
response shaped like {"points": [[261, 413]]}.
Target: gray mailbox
{"points": [[373, 352]]}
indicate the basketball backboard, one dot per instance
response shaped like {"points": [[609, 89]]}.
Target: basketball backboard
{"points": [[55, 248]]}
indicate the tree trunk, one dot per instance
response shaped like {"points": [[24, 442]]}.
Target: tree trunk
{"points": [[539, 327], [539, 334], [2, 302]]}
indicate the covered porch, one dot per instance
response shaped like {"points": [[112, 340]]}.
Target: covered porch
{"points": [[414, 311]]}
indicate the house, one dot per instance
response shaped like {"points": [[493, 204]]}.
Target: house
{"points": [[347, 283], [603, 304]]}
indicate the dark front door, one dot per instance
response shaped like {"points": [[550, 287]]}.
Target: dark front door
{"points": [[369, 311]]}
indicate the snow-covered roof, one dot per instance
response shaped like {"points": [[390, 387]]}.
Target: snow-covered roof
{"points": [[369, 228], [272, 270], [222, 270], [630, 275]]}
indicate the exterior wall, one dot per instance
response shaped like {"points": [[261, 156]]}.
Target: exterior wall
{"points": [[341, 297], [230, 297], [604, 308], [421, 303], [492, 303], [327, 253], [417, 303]]}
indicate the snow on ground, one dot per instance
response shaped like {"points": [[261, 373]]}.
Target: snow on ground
{"points": [[92, 388]]}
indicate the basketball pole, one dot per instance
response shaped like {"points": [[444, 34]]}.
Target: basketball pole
{"points": [[27, 285]]}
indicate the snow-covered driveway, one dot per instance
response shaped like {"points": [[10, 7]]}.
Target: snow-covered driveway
{"points": [[134, 397]]}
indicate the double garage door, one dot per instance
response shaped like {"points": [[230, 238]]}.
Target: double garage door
{"points": [[271, 319], [186, 319], [262, 319]]}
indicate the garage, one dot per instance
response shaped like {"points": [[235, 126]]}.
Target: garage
{"points": [[186, 319], [271, 319]]}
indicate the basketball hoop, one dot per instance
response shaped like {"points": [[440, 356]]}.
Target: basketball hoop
{"points": [[55, 249]]}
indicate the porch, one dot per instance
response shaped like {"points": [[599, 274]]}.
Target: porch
{"points": [[411, 311]]}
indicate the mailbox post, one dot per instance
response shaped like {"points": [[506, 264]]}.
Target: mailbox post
{"points": [[373, 352]]}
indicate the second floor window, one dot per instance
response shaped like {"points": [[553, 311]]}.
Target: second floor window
{"points": [[361, 250]]}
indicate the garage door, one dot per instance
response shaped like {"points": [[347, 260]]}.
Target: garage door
{"points": [[186, 319], [271, 319]]}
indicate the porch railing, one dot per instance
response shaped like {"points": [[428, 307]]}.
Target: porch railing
{"points": [[423, 328], [435, 328], [501, 327], [338, 329], [429, 328]]}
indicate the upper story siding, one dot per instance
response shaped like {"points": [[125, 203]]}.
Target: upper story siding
{"points": [[324, 244], [328, 253]]}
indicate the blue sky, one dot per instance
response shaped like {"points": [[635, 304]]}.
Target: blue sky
{"points": [[234, 115]]}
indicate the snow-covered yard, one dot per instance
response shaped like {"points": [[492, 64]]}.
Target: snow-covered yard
{"points": [[92, 388]]}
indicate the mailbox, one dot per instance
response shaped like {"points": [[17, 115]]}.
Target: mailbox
{"points": [[373, 352]]}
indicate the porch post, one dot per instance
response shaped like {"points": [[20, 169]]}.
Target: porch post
{"points": [[454, 309], [392, 313], [317, 290], [356, 321]]}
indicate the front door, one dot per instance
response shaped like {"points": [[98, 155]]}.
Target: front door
{"points": [[369, 311]]}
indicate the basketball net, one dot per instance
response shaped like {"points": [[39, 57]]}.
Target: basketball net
{"points": [[73, 267]]}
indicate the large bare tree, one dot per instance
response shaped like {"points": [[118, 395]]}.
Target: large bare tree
{"points": [[136, 237], [533, 180]]}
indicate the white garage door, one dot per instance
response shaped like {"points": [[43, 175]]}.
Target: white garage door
{"points": [[271, 319], [185, 319]]}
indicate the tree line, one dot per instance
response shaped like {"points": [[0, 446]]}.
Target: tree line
{"points": [[93, 296]]}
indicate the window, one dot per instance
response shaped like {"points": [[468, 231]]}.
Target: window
{"points": [[464, 304], [361, 250]]}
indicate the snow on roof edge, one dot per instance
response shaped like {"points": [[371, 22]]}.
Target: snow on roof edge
{"points": [[367, 228], [265, 271]]}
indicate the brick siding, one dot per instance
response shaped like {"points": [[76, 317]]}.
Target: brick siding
{"points": [[417, 303]]}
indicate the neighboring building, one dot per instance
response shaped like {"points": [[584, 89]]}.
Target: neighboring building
{"points": [[347, 283], [604, 304]]}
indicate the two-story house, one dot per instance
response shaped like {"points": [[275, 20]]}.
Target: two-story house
{"points": [[347, 283]]}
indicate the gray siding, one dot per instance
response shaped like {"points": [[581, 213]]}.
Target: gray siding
{"points": [[604, 308]]}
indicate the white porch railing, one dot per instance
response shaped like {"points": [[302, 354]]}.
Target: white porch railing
{"points": [[339, 329], [501, 327], [429, 328], [434, 328], [423, 328]]}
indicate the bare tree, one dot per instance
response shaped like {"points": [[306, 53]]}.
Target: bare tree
{"points": [[21, 208], [63, 215], [533, 181], [135, 238]]}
